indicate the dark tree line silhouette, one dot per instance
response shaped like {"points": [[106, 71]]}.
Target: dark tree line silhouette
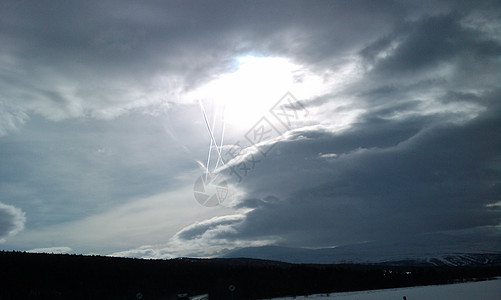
{"points": [[64, 276]]}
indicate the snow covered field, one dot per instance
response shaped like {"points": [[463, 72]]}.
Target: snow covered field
{"points": [[483, 290]]}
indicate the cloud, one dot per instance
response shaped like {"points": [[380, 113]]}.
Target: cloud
{"points": [[142, 220], [124, 56], [12, 221], [422, 155], [10, 119], [54, 250], [380, 179], [145, 252], [206, 238], [142, 56], [428, 42], [212, 226]]}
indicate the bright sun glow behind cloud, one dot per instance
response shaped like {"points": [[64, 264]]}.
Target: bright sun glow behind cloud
{"points": [[246, 94]]}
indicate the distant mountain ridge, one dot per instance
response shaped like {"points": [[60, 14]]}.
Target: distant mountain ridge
{"points": [[435, 250]]}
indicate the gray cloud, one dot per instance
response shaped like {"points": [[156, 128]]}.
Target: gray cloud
{"points": [[438, 178], [429, 42], [11, 221], [423, 157], [104, 58]]}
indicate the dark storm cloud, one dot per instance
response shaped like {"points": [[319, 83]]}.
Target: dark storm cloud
{"points": [[438, 178], [103, 58], [428, 42], [423, 156]]}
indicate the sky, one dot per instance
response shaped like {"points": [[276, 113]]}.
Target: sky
{"points": [[189, 128]]}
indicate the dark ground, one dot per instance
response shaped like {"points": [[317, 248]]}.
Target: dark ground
{"points": [[56, 276]]}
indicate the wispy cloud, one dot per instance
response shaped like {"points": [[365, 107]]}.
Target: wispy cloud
{"points": [[12, 221]]}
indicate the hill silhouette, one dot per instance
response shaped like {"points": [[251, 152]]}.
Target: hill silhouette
{"points": [[64, 276]]}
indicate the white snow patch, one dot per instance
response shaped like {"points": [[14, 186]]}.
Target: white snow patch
{"points": [[480, 290]]}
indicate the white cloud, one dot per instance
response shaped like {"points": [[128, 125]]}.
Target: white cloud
{"points": [[201, 239], [12, 221], [55, 250], [10, 118]]}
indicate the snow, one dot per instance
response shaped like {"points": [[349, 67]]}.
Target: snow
{"points": [[426, 248], [482, 290]]}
